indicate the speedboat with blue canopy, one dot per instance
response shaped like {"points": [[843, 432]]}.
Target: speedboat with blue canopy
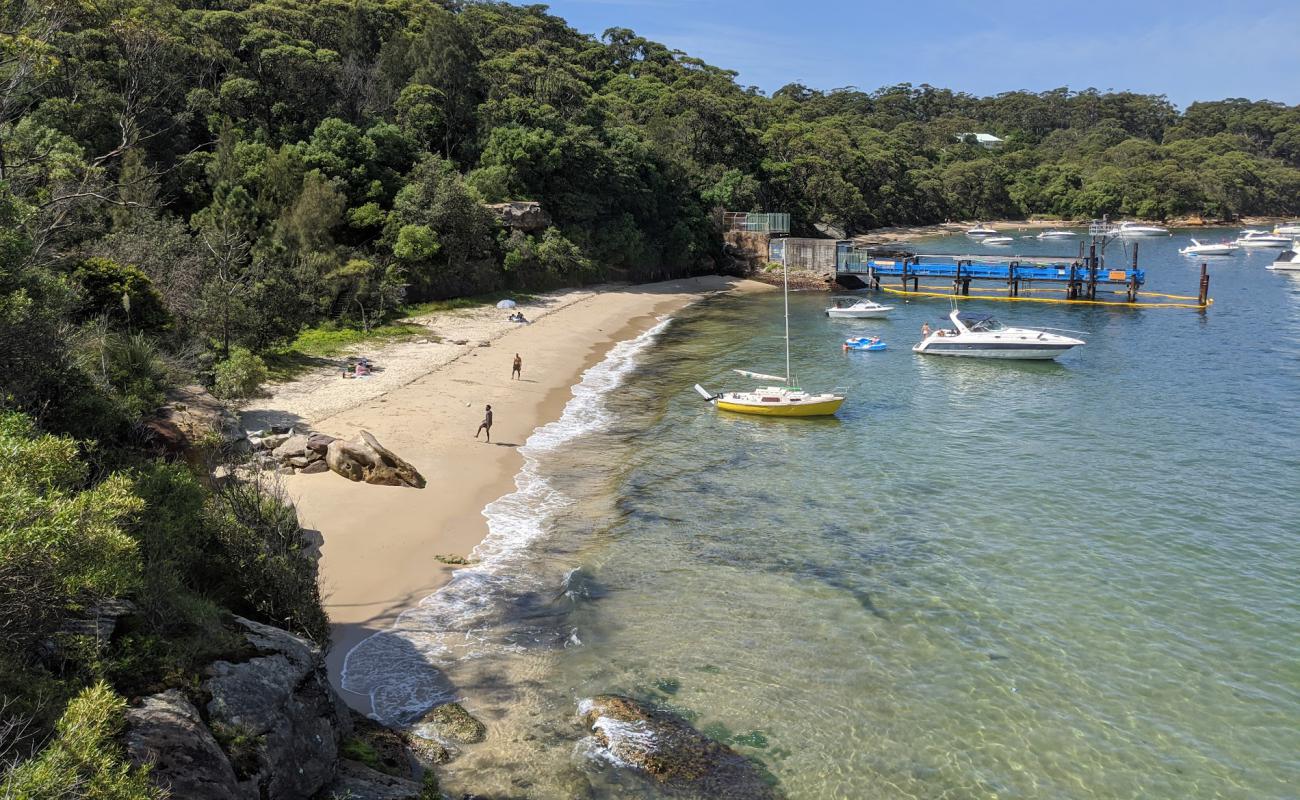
{"points": [[981, 336]]}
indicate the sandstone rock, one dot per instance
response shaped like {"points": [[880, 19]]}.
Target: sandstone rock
{"points": [[521, 215], [299, 462], [315, 468], [451, 722], [286, 469], [670, 751], [166, 732], [318, 442], [193, 419], [428, 752], [356, 781], [272, 441], [282, 703], [294, 445], [365, 459]]}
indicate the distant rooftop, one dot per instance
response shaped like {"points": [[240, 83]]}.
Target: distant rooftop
{"points": [[982, 139]]}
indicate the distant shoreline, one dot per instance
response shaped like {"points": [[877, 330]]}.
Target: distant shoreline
{"points": [[909, 233]]}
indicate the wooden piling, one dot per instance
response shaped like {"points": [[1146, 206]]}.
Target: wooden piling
{"points": [[1204, 297]]}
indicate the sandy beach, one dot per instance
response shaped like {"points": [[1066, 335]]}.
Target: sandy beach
{"points": [[379, 543]]}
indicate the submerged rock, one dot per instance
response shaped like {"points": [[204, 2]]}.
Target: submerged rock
{"points": [[671, 752], [451, 722]]}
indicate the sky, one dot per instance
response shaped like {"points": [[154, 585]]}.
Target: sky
{"points": [[1188, 51]]}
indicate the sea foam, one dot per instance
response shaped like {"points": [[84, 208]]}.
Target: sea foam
{"points": [[491, 606]]}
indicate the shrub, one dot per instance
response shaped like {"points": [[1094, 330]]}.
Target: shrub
{"points": [[121, 292], [261, 559], [60, 544], [241, 376], [84, 759]]}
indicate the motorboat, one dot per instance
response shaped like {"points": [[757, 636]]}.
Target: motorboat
{"points": [[1288, 229], [1289, 260], [981, 230], [1257, 238], [869, 343], [1056, 235], [862, 309], [1198, 249], [997, 241], [1137, 229], [982, 336], [783, 399]]}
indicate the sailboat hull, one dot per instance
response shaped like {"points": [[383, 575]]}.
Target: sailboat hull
{"points": [[818, 408]]}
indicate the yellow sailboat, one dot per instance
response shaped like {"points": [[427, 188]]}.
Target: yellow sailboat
{"points": [[784, 400]]}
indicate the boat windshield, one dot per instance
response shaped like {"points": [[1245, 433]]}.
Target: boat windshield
{"points": [[986, 325]]}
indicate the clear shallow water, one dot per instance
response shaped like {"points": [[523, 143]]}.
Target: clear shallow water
{"points": [[983, 579]]}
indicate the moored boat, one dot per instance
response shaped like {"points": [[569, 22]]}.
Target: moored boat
{"points": [[1056, 235], [1289, 260], [997, 241], [1198, 249], [1254, 238], [1131, 230], [862, 309], [981, 230], [1287, 229], [982, 336]]}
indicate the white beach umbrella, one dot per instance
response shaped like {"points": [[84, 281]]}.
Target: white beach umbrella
{"points": [[506, 304]]}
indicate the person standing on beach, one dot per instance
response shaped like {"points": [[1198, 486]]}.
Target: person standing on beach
{"points": [[517, 371], [485, 425]]}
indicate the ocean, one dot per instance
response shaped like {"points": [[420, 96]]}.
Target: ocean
{"points": [[1072, 579]]}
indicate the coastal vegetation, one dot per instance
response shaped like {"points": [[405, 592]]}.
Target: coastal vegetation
{"points": [[196, 191]]}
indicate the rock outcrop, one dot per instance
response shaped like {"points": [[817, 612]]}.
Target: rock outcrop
{"points": [[365, 459], [358, 782], [671, 752], [280, 705], [193, 420], [450, 722], [521, 215], [167, 733]]}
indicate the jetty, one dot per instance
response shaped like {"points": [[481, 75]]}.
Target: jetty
{"points": [[1081, 278]]}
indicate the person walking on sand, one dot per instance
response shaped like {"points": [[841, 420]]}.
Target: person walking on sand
{"points": [[517, 371], [485, 425]]}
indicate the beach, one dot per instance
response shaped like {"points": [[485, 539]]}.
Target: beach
{"points": [[380, 543]]}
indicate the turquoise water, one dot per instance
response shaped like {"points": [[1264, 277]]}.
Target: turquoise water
{"points": [[983, 579]]}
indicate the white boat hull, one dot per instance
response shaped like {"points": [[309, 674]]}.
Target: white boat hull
{"points": [[973, 350], [1263, 244], [858, 313], [1208, 251]]}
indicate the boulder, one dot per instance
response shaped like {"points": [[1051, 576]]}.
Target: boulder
{"points": [[299, 461], [192, 420], [272, 440], [521, 215], [281, 706], [167, 733], [356, 781], [450, 722], [365, 459], [294, 445], [315, 467], [318, 442], [668, 750]]}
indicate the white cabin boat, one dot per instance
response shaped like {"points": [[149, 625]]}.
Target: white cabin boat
{"points": [[981, 230], [1287, 229], [1257, 238], [997, 241], [1198, 249], [863, 309], [982, 336], [1289, 260], [1056, 235], [1133, 230]]}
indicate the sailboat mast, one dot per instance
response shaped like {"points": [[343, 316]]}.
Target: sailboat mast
{"points": [[785, 290]]}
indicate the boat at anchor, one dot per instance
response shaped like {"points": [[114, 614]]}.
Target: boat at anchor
{"points": [[982, 336]]}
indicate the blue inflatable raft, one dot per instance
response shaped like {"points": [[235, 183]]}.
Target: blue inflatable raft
{"points": [[864, 343]]}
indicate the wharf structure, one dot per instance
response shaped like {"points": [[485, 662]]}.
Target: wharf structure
{"points": [[1045, 279]]}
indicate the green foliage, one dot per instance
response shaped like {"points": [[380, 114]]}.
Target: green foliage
{"points": [[263, 560], [241, 375], [62, 545], [84, 760]]}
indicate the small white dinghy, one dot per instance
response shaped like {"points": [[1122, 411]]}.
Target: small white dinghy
{"points": [[1198, 249], [997, 241], [863, 309]]}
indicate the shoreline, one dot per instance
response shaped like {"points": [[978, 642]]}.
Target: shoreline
{"points": [[909, 233], [379, 542]]}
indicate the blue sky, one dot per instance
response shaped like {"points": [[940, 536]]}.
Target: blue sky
{"points": [[1193, 50]]}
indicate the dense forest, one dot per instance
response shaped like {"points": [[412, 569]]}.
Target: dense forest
{"points": [[187, 185]]}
